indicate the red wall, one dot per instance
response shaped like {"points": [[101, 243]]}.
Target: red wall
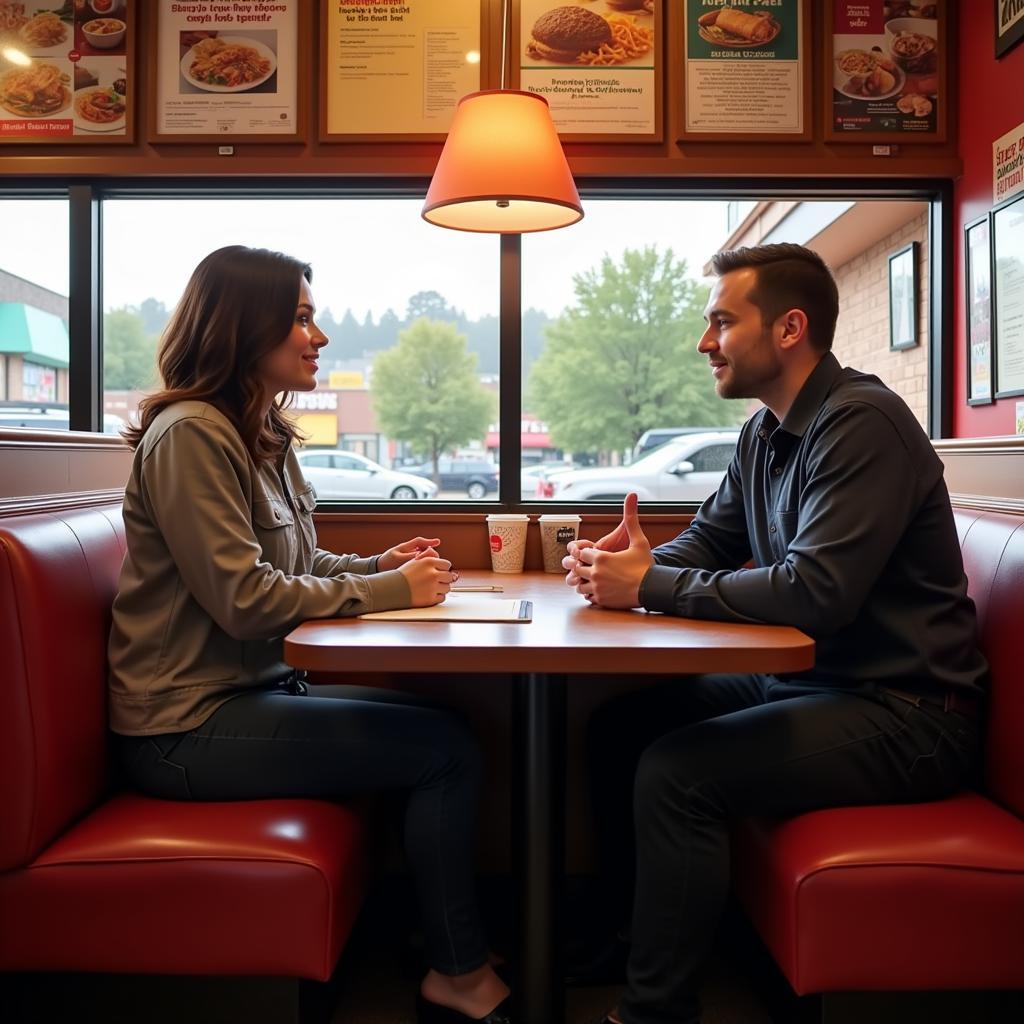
{"points": [[991, 102]]}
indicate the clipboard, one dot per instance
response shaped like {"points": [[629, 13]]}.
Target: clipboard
{"points": [[460, 608]]}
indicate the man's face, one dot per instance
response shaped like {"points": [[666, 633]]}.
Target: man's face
{"points": [[739, 347]]}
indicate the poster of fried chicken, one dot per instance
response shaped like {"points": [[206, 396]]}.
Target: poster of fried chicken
{"points": [[596, 62], [885, 69]]}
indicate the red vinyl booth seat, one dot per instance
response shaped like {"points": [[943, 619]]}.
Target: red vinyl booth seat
{"points": [[913, 897], [96, 880]]}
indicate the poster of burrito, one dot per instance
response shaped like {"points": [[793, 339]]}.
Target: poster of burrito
{"points": [[596, 63], [745, 70], [884, 71]]}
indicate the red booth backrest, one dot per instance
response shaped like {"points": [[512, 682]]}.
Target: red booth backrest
{"points": [[993, 550], [58, 576]]}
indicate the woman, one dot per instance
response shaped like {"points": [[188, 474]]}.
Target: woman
{"points": [[222, 562]]}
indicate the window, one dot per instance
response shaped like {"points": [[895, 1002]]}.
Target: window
{"points": [[34, 339], [613, 311], [389, 289]]}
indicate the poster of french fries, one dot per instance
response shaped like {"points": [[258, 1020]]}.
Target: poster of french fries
{"points": [[885, 68], [596, 62], [745, 72]]}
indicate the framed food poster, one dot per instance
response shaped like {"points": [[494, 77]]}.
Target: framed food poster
{"points": [[978, 279], [1008, 296], [228, 71], [743, 69], [67, 71], [886, 69], [396, 69], [599, 66]]}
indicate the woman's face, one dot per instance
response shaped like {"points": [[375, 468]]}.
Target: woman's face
{"points": [[292, 365]]}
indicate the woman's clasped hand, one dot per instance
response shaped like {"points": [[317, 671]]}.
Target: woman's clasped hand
{"points": [[429, 576]]}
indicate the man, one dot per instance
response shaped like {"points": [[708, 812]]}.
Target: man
{"points": [[836, 497]]}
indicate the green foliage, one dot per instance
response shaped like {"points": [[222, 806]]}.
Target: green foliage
{"points": [[129, 352], [623, 358], [425, 390]]}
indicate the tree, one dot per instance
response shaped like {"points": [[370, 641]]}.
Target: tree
{"points": [[623, 359], [129, 353], [425, 390]]}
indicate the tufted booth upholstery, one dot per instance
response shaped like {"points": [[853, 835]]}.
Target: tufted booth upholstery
{"points": [[97, 880], [922, 896]]}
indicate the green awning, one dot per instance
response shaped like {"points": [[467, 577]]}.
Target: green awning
{"points": [[40, 337]]}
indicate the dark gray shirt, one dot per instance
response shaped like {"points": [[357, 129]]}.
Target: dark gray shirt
{"points": [[844, 514]]}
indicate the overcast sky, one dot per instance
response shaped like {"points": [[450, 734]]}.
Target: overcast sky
{"points": [[366, 255]]}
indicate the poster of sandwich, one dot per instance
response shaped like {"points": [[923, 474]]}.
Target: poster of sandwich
{"points": [[885, 70], [397, 67], [596, 62], [65, 70], [745, 68], [226, 70]]}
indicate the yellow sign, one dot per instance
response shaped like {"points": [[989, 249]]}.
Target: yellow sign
{"points": [[317, 427], [341, 380]]}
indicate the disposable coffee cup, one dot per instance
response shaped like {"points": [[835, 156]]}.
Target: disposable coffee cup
{"points": [[507, 537], [555, 533]]}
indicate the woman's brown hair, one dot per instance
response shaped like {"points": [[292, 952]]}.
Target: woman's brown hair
{"points": [[238, 305]]}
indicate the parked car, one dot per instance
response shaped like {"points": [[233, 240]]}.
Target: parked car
{"points": [[477, 477], [659, 435], [535, 480], [336, 473], [41, 417], [687, 468]]}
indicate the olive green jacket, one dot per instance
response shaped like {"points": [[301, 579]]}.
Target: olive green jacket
{"points": [[221, 563]]}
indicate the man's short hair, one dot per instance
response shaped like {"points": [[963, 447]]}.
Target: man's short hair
{"points": [[788, 277]]}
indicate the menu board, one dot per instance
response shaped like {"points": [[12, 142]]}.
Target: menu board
{"points": [[226, 69], [886, 70], [397, 67], [746, 68], [597, 65], [65, 71]]}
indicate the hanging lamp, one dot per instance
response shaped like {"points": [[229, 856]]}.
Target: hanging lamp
{"points": [[502, 168]]}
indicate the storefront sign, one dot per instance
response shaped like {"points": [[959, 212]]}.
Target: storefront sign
{"points": [[397, 67], [1008, 164], [745, 68], [886, 70], [66, 71], [597, 64], [225, 70]]}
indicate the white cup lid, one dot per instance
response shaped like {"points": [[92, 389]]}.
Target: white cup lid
{"points": [[508, 517], [555, 517]]}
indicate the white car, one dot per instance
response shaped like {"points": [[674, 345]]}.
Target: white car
{"points": [[535, 480], [687, 468], [335, 473]]}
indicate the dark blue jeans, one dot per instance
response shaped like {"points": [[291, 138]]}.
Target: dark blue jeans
{"points": [[337, 742], [682, 758]]}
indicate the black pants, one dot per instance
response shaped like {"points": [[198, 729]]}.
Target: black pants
{"points": [[683, 758], [337, 742]]}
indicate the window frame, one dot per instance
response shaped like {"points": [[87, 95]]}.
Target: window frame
{"points": [[86, 196]]}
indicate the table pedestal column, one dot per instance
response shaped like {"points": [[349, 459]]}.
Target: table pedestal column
{"points": [[538, 830]]}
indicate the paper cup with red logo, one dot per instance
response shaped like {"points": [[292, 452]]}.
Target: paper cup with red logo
{"points": [[507, 536], [555, 533]]}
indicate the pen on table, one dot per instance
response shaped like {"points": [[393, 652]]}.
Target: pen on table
{"points": [[477, 590]]}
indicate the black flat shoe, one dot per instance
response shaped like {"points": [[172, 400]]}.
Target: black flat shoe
{"points": [[433, 1013]]}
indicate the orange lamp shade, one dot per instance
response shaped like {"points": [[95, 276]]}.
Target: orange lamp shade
{"points": [[502, 168]]}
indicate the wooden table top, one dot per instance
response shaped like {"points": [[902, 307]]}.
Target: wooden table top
{"points": [[567, 635]]}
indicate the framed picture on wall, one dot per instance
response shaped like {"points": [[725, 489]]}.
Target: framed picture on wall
{"points": [[598, 65], [67, 72], [1008, 297], [903, 298], [743, 71], [232, 76], [886, 71], [978, 304], [1009, 25]]}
